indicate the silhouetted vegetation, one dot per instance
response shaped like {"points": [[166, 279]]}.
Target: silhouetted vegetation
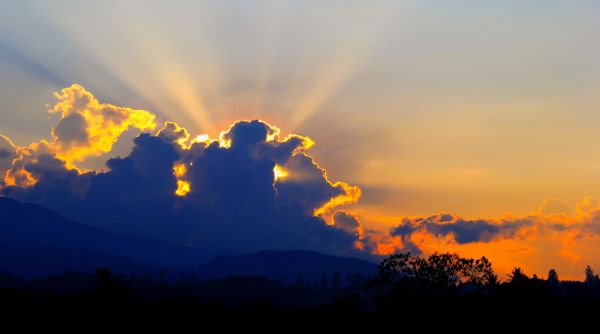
{"points": [[442, 284]]}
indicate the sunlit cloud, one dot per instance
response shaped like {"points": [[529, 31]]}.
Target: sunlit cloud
{"points": [[179, 170], [553, 206], [203, 191], [587, 205], [547, 237], [183, 188], [348, 194], [87, 128]]}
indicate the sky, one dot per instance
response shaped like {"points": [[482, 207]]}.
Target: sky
{"points": [[482, 110]]}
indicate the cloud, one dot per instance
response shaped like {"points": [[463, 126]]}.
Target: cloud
{"points": [[86, 129], [382, 243], [17, 174], [588, 205], [173, 133], [250, 189], [348, 222], [7, 155], [536, 241], [462, 230], [71, 130], [309, 184], [553, 206]]}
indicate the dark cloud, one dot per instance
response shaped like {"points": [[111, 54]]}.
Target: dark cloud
{"points": [[244, 135], [307, 184], [347, 222], [56, 186], [463, 230], [234, 203]]}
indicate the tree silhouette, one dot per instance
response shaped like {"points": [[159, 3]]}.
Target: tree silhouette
{"points": [[552, 278], [336, 282], [324, 285], [517, 276], [439, 274], [590, 278], [300, 283], [109, 286]]}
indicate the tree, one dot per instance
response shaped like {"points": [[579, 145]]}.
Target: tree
{"points": [[517, 276], [324, 282], [299, 283], [336, 282], [552, 278], [356, 280], [439, 274], [590, 278], [110, 286]]}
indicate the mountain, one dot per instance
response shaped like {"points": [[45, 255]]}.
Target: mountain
{"points": [[37, 241], [286, 264], [32, 226], [41, 261]]}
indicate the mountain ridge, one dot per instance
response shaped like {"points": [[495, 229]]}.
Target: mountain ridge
{"points": [[46, 242]]}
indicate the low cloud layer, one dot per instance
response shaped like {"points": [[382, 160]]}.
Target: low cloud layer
{"points": [[554, 236], [461, 230]]}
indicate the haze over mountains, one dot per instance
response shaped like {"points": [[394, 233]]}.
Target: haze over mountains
{"points": [[35, 241]]}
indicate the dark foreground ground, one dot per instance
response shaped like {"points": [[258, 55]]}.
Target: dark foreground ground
{"points": [[105, 299]]}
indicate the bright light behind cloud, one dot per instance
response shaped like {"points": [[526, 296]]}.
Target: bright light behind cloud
{"points": [[279, 173]]}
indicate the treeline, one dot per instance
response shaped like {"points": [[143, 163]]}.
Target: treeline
{"points": [[440, 284], [407, 282], [74, 291]]}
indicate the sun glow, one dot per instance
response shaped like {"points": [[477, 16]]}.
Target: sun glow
{"points": [[279, 173], [200, 139]]}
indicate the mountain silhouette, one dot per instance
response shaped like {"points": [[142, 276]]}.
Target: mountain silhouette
{"points": [[41, 261], [285, 264], [32, 226], [35, 241]]}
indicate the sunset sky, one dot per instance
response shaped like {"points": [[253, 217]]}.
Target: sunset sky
{"points": [[486, 111]]}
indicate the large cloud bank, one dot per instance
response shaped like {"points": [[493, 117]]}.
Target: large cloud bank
{"points": [[248, 190]]}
